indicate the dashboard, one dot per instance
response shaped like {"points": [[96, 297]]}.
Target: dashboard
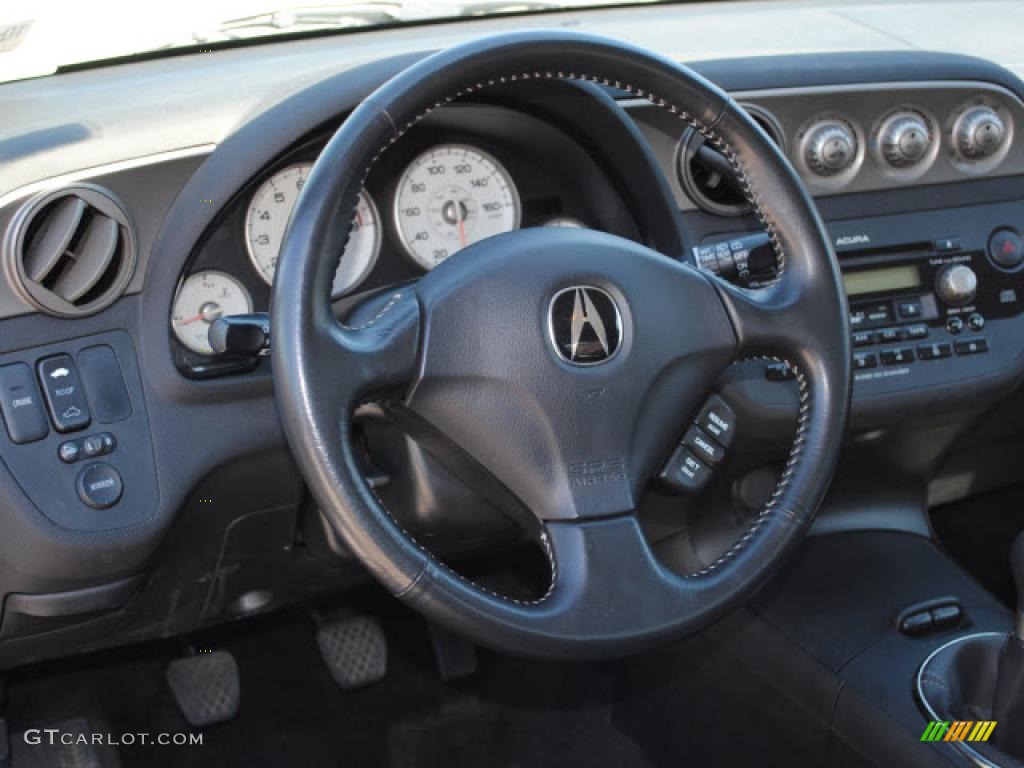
{"points": [[115, 268]]}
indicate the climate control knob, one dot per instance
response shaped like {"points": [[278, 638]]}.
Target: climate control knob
{"points": [[979, 132], [956, 284], [830, 147], [905, 139]]}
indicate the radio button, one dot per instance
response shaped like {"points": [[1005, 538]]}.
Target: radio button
{"points": [[879, 313], [955, 324], [957, 284], [972, 346], [897, 356], [890, 335], [934, 351], [865, 338], [946, 244], [919, 331], [862, 360], [910, 309]]}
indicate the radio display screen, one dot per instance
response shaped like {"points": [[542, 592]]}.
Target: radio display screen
{"points": [[882, 280]]}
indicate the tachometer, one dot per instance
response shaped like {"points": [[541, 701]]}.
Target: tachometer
{"points": [[452, 196], [202, 298], [267, 217]]}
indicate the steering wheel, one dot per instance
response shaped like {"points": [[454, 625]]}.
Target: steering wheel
{"points": [[566, 363]]}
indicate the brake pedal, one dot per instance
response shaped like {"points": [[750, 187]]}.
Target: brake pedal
{"points": [[354, 650], [206, 687]]}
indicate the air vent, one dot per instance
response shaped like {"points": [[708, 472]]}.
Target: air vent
{"points": [[70, 252], [706, 175]]}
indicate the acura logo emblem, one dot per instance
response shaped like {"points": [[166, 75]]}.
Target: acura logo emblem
{"points": [[584, 325]]}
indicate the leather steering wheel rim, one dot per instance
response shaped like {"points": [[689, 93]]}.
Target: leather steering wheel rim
{"points": [[576, 459]]}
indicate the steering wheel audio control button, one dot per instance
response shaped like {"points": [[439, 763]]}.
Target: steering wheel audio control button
{"points": [[718, 420], [685, 472], [703, 446], [100, 486]]}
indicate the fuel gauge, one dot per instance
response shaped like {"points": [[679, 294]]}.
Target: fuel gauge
{"points": [[202, 298]]}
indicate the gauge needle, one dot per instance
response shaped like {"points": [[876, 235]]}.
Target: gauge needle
{"points": [[461, 220], [189, 320]]}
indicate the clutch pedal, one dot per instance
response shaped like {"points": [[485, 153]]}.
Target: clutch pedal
{"points": [[354, 650], [206, 687]]}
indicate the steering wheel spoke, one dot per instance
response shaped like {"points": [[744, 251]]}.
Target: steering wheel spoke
{"points": [[375, 353]]}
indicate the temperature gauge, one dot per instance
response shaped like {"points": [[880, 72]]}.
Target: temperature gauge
{"points": [[202, 298]]}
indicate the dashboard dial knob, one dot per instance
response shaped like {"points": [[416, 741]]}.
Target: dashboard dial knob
{"points": [[905, 139], [830, 147], [979, 132], [956, 284]]}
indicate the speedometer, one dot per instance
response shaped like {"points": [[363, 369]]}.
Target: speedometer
{"points": [[267, 217], [452, 196]]}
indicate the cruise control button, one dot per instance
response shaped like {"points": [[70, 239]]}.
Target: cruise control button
{"points": [[718, 420], [63, 391], [705, 448], [976, 321], [21, 404], [955, 324], [935, 351], [862, 360], [897, 356], [972, 346], [100, 486], [685, 471]]}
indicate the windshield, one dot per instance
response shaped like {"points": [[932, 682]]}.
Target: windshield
{"points": [[39, 36]]}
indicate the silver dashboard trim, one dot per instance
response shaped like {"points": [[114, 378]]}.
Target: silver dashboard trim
{"points": [[45, 185]]}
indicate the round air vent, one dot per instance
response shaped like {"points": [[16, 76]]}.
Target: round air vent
{"points": [[706, 175], [70, 252]]}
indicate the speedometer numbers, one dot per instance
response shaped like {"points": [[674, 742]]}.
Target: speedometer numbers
{"points": [[450, 197], [267, 217]]}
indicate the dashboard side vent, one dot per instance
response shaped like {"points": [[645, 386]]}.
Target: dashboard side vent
{"points": [[706, 175], [70, 252]]}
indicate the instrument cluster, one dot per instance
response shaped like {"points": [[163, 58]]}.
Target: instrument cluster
{"points": [[430, 196]]}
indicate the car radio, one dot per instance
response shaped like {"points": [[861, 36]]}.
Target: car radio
{"points": [[909, 303]]}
